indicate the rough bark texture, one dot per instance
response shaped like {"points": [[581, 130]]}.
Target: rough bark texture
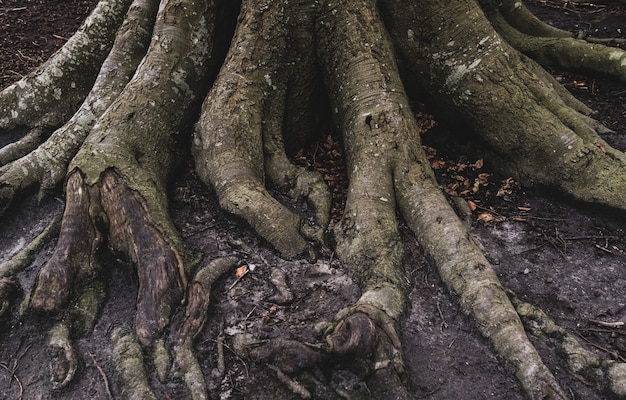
{"points": [[35, 101], [238, 143], [122, 147]]}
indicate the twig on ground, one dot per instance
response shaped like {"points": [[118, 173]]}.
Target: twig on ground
{"points": [[14, 378], [613, 353], [103, 375], [616, 324], [444, 324], [293, 385], [604, 249]]}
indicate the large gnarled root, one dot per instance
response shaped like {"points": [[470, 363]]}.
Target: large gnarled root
{"points": [[367, 97], [238, 142], [471, 71], [116, 189], [387, 165], [476, 77], [159, 264], [74, 253], [132, 151], [47, 163]]}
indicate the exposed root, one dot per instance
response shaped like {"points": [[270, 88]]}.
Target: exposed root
{"points": [[545, 126], [563, 52], [24, 257], [78, 320], [47, 164], [237, 140], [73, 254], [198, 294], [30, 141], [63, 360], [368, 99], [385, 381], [520, 18], [50, 95], [381, 127], [123, 153], [159, 266], [129, 367], [608, 376], [191, 371]]}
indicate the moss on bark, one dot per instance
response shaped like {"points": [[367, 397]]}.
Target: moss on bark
{"points": [[129, 136]]}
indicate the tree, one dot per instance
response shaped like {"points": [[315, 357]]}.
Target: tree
{"points": [[110, 115]]}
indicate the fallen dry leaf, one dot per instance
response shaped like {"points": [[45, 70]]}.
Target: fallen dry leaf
{"points": [[241, 271], [485, 217]]}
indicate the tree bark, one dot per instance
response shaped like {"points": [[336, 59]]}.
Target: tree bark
{"points": [[120, 150]]}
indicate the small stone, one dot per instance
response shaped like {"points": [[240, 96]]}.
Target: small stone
{"points": [[549, 280], [598, 292]]}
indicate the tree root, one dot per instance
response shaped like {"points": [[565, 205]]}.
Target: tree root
{"points": [[116, 185], [521, 19], [129, 366], [47, 164], [123, 153], [49, 96], [78, 320], [30, 141], [21, 260], [73, 255], [608, 376], [235, 150], [198, 295], [382, 124], [159, 266], [63, 360], [562, 52], [545, 126], [24, 257]]}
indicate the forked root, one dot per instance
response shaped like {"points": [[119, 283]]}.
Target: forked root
{"points": [[238, 148], [121, 214]]}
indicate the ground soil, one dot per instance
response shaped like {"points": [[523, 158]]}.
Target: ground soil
{"points": [[570, 261]]}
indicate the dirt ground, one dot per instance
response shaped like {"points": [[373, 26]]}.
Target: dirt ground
{"points": [[569, 261]]}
